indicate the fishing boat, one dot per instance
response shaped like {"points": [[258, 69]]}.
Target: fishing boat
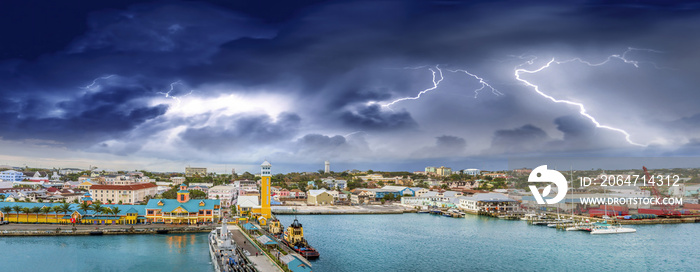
{"points": [[294, 238]]}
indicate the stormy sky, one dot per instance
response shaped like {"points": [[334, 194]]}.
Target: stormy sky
{"points": [[384, 85]]}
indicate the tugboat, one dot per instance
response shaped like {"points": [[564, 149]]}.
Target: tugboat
{"points": [[294, 238], [275, 228]]}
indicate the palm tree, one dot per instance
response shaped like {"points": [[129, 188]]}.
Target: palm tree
{"points": [[66, 208], [56, 209], [26, 210], [115, 210], [17, 209], [97, 207], [84, 207], [6, 210], [35, 210], [46, 210]]}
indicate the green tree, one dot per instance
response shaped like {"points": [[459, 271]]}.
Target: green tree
{"points": [[35, 210], [46, 210], [84, 207], [197, 194], [17, 209], [6, 210], [26, 211], [56, 210]]}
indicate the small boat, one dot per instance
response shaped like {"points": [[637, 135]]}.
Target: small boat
{"points": [[96, 232], [609, 229]]}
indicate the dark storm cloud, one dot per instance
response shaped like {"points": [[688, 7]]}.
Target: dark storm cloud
{"points": [[372, 117], [242, 132], [81, 120], [338, 60], [445, 146], [522, 139]]}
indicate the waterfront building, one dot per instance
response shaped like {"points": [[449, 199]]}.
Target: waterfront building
{"points": [[319, 197], [225, 193], [127, 194], [488, 203], [183, 209], [296, 193], [418, 191], [401, 189], [284, 193], [195, 171], [246, 204], [11, 175]]}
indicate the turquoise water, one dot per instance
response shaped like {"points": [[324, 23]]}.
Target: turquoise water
{"points": [[408, 242], [423, 242], [173, 252]]}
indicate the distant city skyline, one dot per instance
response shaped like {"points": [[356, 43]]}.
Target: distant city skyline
{"points": [[390, 85]]}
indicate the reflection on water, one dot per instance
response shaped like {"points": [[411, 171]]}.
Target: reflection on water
{"points": [[180, 243], [156, 252]]}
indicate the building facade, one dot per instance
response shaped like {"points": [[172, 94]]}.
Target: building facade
{"points": [[11, 175], [125, 194], [224, 193], [183, 210], [195, 171]]}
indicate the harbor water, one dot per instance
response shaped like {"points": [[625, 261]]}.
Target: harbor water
{"points": [[424, 242], [150, 252], [391, 242]]}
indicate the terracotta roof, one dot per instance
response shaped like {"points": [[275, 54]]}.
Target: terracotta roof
{"points": [[137, 186]]}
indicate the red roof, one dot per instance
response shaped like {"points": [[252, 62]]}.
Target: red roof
{"points": [[137, 186]]}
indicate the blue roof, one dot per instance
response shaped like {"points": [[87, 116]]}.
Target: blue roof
{"points": [[140, 209], [297, 265], [249, 226], [183, 191], [191, 206]]}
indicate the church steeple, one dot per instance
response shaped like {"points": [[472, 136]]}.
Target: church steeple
{"points": [[183, 195]]}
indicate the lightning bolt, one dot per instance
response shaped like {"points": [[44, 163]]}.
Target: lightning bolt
{"points": [[353, 133], [582, 108], [176, 98], [437, 72], [94, 81], [484, 84], [436, 82]]}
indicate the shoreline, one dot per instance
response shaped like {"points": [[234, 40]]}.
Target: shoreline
{"points": [[91, 230]]}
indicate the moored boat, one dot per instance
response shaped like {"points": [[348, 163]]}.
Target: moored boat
{"points": [[294, 238]]}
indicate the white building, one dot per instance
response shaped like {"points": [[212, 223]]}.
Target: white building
{"points": [[488, 203], [225, 193], [471, 171], [328, 167]]}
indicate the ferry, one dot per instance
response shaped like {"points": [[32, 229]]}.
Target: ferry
{"points": [[225, 254], [294, 238]]}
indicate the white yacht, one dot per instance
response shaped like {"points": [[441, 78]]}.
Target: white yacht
{"points": [[610, 229]]}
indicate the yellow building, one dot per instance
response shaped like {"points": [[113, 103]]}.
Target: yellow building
{"points": [[263, 213], [319, 197], [444, 171], [183, 210]]}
